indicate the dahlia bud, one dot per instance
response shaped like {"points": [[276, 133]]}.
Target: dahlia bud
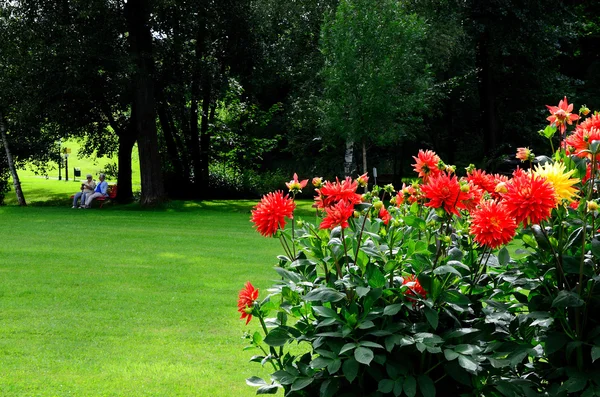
{"points": [[501, 188], [584, 110], [363, 180], [524, 154], [378, 205], [465, 188], [356, 214], [592, 206], [389, 188], [317, 182]]}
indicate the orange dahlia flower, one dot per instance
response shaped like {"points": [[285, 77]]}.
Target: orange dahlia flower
{"points": [[248, 295], [427, 164], [529, 198], [270, 213], [492, 225], [583, 136], [561, 115]]}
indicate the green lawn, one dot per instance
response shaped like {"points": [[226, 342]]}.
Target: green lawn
{"points": [[127, 302]]}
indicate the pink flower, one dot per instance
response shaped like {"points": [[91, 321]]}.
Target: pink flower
{"points": [[296, 186]]}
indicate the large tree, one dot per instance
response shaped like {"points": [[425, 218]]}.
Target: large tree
{"points": [[375, 77]]}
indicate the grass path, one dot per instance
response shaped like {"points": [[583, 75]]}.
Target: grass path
{"points": [[127, 302]]}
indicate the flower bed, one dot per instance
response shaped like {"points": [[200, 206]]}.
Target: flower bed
{"points": [[474, 285]]}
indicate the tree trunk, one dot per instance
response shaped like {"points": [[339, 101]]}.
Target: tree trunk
{"points": [[348, 156], [364, 156], [205, 136], [125, 190], [11, 164], [143, 114]]}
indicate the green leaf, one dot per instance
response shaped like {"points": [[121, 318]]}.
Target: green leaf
{"points": [[453, 296], [460, 332], [468, 349], [391, 310], [432, 317], [450, 354], [467, 363], [255, 381], [549, 131], [415, 222], [398, 387], [596, 247], [286, 274], [324, 294], [283, 377], [350, 369], [301, 383], [363, 355], [595, 353], [324, 311], [529, 240], [574, 384], [503, 256], [567, 299], [348, 347], [277, 337], [269, 389], [426, 385], [376, 278], [385, 386], [362, 291], [445, 270], [410, 386]]}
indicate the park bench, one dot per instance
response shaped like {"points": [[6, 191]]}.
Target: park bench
{"points": [[112, 194]]}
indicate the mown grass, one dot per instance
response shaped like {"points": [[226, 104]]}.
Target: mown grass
{"points": [[128, 302]]}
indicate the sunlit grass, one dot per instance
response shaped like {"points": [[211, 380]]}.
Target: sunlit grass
{"points": [[128, 302]]}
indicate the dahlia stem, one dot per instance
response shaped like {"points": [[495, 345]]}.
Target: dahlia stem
{"points": [[362, 228], [271, 348]]}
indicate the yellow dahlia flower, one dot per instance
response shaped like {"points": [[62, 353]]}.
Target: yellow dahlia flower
{"points": [[556, 174]]}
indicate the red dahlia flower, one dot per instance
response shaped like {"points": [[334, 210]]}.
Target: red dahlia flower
{"points": [[492, 225], [337, 215], [269, 215], [585, 133], [246, 300], [337, 191], [414, 288], [385, 216], [561, 115], [482, 179], [444, 191], [529, 198], [427, 164]]}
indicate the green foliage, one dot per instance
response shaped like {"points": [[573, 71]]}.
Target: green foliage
{"points": [[375, 77]]}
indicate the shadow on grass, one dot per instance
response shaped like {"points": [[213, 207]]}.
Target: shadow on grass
{"points": [[44, 198]]}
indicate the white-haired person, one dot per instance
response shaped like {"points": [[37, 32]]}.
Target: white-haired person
{"points": [[87, 188], [100, 190]]}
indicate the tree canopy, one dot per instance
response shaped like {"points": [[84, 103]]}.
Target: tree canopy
{"points": [[227, 97]]}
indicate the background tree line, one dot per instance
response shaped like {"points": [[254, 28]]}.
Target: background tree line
{"points": [[229, 97]]}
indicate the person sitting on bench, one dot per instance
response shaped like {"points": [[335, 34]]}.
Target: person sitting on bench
{"points": [[100, 191], [86, 189]]}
